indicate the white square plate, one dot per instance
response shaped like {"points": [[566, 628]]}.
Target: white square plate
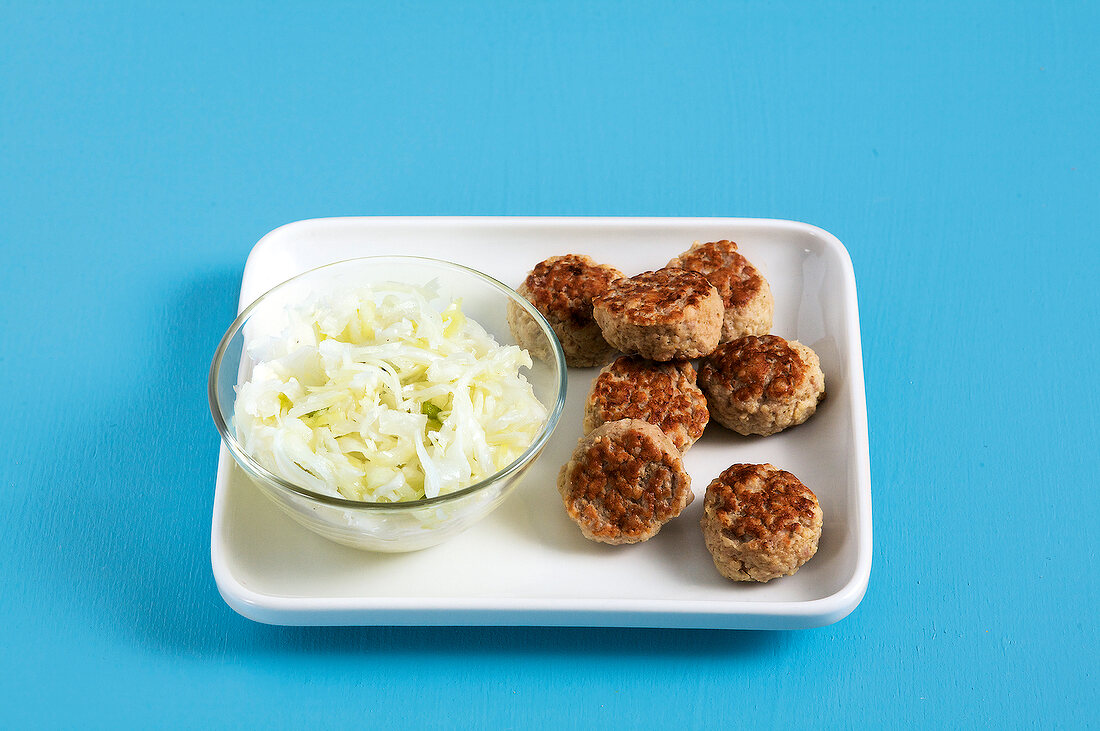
{"points": [[527, 563]]}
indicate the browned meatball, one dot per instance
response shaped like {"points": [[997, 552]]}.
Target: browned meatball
{"points": [[664, 394], [561, 288], [669, 314], [745, 293], [624, 481], [762, 385], [760, 523]]}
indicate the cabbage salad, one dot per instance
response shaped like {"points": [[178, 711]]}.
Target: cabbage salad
{"points": [[376, 395]]}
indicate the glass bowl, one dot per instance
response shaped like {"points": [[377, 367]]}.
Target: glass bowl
{"points": [[401, 526]]}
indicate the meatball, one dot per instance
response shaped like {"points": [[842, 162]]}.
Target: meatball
{"points": [[762, 384], [561, 288], [664, 394], [759, 522], [624, 481], [745, 293], [669, 314]]}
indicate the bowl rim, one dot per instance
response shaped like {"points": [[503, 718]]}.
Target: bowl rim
{"points": [[242, 458]]}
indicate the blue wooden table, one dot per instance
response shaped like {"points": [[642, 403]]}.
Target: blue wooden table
{"points": [[953, 147]]}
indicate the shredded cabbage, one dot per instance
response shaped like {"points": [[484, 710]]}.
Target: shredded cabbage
{"points": [[376, 395]]}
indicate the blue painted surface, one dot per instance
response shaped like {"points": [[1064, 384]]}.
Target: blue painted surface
{"points": [[953, 149]]}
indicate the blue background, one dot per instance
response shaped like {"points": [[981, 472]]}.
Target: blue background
{"points": [[952, 147]]}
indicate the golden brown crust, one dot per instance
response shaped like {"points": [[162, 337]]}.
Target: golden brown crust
{"points": [[565, 285], [671, 314], [624, 481], [760, 502], [655, 297], [705, 258], [738, 284], [737, 280], [664, 394], [762, 384], [760, 522], [755, 367], [561, 288]]}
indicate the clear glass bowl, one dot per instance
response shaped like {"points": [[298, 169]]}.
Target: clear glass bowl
{"points": [[392, 527]]}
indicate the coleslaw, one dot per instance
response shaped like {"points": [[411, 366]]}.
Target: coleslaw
{"points": [[376, 395]]}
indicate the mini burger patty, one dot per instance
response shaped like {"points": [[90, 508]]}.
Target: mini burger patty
{"points": [[562, 288], [760, 522], [624, 481], [762, 384], [669, 314], [664, 394]]}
